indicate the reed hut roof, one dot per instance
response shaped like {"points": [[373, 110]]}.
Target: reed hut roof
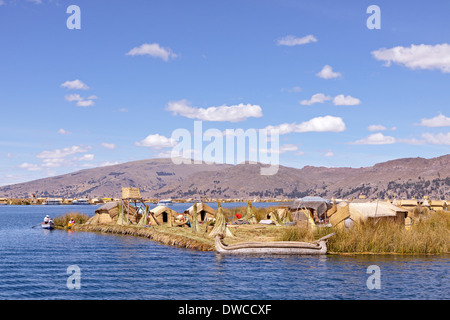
{"points": [[438, 203], [161, 209], [340, 215], [409, 203], [107, 206], [320, 205], [201, 207], [364, 211]]}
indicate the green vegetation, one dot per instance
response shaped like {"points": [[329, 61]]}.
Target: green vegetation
{"points": [[62, 221]]}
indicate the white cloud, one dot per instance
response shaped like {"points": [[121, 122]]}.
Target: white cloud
{"points": [[153, 50], [438, 121], [376, 127], [108, 163], [294, 41], [30, 166], [85, 157], [57, 158], [81, 102], [317, 98], [73, 97], [379, 127], [413, 141], [61, 153], [75, 85], [318, 124], [421, 56], [85, 103], [234, 113], [329, 154], [35, 1], [53, 162], [288, 148], [328, 73], [108, 145], [322, 124], [341, 100], [439, 138], [156, 141], [376, 138], [63, 131]]}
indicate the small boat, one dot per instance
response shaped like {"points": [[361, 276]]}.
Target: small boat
{"points": [[52, 202], [81, 201], [276, 247], [167, 202], [49, 225]]}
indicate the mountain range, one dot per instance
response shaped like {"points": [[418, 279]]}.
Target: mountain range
{"points": [[161, 178]]}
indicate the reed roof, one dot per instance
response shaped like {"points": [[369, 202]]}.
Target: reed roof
{"points": [[201, 207], [161, 209]]}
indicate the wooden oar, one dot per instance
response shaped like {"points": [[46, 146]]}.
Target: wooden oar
{"points": [[36, 225]]}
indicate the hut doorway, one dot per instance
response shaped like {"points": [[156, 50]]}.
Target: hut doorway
{"points": [[165, 218], [202, 216]]}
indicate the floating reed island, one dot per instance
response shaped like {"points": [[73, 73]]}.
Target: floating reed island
{"points": [[359, 227]]}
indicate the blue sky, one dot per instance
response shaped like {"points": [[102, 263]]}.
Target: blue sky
{"points": [[116, 89]]}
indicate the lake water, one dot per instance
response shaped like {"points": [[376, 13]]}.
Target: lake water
{"points": [[34, 263]]}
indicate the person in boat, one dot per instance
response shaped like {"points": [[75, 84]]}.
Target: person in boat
{"points": [[71, 223], [47, 219]]}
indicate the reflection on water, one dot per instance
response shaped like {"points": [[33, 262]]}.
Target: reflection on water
{"points": [[123, 267]]}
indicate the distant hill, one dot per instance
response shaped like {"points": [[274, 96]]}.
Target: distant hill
{"points": [[160, 178]]}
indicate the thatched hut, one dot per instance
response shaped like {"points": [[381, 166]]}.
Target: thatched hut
{"points": [[109, 213], [105, 214], [437, 205], [204, 212], [409, 205], [162, 215], [316, 205], [349, 213]]}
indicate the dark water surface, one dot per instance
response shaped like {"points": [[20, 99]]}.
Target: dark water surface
{"points": [[34, 263]]}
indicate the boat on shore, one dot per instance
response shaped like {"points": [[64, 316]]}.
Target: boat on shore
{"points": [[49, 225], [275, 247], [52, 202], [81, 202], [167, 202]]}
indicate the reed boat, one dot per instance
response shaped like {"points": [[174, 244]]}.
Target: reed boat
{"points": [[49, 225], [276, 247]]}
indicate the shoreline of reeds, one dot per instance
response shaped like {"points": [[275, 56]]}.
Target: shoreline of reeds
{"points": [[151, 233]]}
